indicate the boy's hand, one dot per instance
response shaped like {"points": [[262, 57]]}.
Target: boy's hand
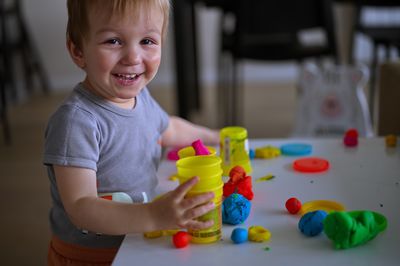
{"points": [[173, 210]]}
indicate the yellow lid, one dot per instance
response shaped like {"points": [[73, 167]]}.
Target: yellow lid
{"points": [[234, 132], [207, 168]]}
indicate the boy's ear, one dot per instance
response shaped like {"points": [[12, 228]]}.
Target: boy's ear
{"points": [[75, 53]]}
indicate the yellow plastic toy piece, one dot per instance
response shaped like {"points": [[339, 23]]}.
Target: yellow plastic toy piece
{"points": [[268, 152], [160, 233], [154, 234], [170, 232], [391, 141], [257, 233], [173, 177], [322, 205], [265, 178]]}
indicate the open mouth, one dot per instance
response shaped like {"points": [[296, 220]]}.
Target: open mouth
{"points": [[127, 77]]}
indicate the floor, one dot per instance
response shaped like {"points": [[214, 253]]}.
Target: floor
{"points": [[24, 193]]}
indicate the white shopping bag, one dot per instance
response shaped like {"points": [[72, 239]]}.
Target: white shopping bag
{"points": [[332, 101]]}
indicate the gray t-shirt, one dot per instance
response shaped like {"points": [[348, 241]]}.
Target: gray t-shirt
{"points": [[121, 145]]}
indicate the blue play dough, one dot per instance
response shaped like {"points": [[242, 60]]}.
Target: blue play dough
{"points": [[235, 209], [311, 223], [239, 235], [296, 149]]}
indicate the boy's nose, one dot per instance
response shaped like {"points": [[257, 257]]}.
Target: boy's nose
{"points": [[132, 56]]}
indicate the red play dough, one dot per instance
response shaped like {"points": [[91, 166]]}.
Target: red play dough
{"points": [[237, 173], [239, 183]]}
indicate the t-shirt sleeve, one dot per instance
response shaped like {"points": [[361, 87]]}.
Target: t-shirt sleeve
{"points": [[72, 138], [158, 110]]}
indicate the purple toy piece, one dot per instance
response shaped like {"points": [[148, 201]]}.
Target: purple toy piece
{"points": [[199, 148], [172, 155]]}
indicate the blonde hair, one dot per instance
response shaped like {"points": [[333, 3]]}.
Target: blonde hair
{"points": [[78, 14]]}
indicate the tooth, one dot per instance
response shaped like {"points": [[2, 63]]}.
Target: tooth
{"points": [[127, 76]]}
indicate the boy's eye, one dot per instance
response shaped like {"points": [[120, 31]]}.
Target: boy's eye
{"points": [[147, 42], [113, 41]]}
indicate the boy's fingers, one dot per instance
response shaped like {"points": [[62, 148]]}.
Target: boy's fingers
{"points": [[196, 225], [185, 187], [200, 199], [198, 211]]}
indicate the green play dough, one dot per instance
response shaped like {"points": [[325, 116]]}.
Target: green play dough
{"points": [[350, 229]]}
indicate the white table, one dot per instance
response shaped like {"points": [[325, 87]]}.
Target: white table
{"points": [[366, 177]]}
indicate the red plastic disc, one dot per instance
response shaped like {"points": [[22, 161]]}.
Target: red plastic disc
{"points": [[311, 165]]}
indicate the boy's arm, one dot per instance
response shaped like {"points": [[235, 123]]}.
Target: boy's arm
{"points": [[181, 132], [77, 188]]}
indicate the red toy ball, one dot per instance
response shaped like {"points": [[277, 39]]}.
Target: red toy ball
{"points": [[293, 205], [181, 239]]}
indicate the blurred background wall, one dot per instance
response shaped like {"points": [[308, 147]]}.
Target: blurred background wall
{"points": [[47, 20]]}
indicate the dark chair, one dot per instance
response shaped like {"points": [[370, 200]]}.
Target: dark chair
{"points": [[188, 84], [16, 43], [5, 77], [3, 105], [269, 31], [384, 35]]}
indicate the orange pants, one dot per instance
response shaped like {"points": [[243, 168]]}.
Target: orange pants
{"points": [[62, 253]]}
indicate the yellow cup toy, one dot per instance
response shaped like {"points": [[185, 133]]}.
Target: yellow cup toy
{"points": [[208, 169], [234, 149]]}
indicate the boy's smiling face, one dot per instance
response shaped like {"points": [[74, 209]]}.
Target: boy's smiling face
{"points": [[121, 55]]}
